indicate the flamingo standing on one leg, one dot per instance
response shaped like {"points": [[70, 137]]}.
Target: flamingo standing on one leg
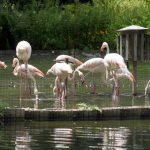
{"points": [[62, 71], [20, 70], [23, 52], [94, 65], [116, 66]]}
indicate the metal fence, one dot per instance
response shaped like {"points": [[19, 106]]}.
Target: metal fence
{"points": [[12, 90]]}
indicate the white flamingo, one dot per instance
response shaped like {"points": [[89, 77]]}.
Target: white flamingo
{"points": [[3, 65], [94, 65], [61, 71], [23, 52], [116, 65]]}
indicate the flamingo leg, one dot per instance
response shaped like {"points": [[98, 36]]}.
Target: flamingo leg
{"points": [[21, 92], [65, 88], [115, 90], [147, 86], [63, 93], [94, 88], [35, 86]]}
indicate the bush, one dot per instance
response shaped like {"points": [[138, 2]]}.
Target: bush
{"points": [[48, 25]]}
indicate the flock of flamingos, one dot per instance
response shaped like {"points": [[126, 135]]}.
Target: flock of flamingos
{"points": [[111, 68]]}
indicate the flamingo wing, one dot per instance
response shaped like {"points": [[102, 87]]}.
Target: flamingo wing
{"points": [[93, 65], [70, 59], [35, 71]]}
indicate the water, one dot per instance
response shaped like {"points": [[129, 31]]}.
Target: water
{"points": [[113, 135], [10, 92]]}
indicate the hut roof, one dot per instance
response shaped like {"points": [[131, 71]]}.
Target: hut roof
{"points": [[133, 28]]}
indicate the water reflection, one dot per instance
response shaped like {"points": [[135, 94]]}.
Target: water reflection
{"points": [[115, 138], [23, 140], [117, 135], [62, 137]]}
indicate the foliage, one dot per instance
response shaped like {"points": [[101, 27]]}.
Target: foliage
{"points": [[2, 110], [48, 25], [83, 106]]}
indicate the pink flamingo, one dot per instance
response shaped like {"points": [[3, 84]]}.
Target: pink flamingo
{"points": [[23, 52], [62, 71], [94, 65], [20, 70], [116, 66]]}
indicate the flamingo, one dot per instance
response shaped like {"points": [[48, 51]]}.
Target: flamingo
{"points": [[72, 61], [20, 70], [94, 65], [116, 65], [23, 52], [3, 65], [61, 71]]}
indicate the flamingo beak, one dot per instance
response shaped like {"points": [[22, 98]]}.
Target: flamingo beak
{"points": [[102, 48], [131, 78], [5, 66], [82, 80], [48, 72]]}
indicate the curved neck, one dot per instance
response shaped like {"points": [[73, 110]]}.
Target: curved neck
{"points": [[16, 67], [17, 63], [107, 47]]}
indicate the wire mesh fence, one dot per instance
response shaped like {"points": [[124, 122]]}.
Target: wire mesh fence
{"points": [[12, 89]]}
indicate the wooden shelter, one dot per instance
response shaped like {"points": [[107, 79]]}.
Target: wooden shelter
{"points": [[134, 45]]}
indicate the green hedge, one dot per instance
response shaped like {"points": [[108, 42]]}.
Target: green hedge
{"points": [[85, 26]]}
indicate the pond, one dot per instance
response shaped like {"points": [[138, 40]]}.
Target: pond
{"points": [[114, 135], [11, 90]]}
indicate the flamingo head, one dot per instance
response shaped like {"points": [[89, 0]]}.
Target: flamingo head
{"points": [[104, 46], [132, 78], [82, 78], [15, 62], [3, 65], [49, 71]]}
